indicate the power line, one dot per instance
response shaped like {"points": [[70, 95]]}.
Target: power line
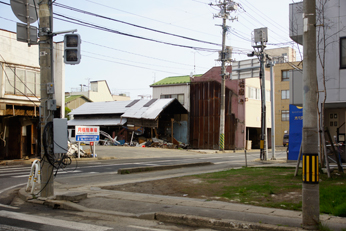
{"points": [[132, 61], [155, 20], [131, 24], [94, 26], [145, 56]]}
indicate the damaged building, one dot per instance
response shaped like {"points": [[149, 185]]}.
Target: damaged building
{"points": [[135, 120], [20, 90]]}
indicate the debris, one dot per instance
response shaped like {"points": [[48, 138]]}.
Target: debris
{"points": [[73, 150]]}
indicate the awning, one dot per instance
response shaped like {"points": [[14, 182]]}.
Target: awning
{"points": [[97, 122]]}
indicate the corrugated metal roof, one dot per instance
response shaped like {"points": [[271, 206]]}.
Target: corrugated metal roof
{"points": [[97, 122], [138, 111], [112, 107]]}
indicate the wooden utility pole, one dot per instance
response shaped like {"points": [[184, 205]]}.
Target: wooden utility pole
{"points": [[46, 69], [310, 187]]}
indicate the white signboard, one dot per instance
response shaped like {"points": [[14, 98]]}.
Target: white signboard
{"points": [[87, 133]]}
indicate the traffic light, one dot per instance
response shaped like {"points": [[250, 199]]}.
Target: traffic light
{"points": [[72, 49]]}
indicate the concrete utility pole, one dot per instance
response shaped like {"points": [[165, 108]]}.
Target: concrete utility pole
{"points": [[272, 96], [310, 187], [263, 144], [260, 40], [223, 87], [225, 6], [46, 65]]}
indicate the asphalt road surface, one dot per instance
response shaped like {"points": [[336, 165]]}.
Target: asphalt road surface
{"points": [[23, 218]]}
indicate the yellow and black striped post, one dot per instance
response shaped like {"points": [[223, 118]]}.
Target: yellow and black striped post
{"points": [[222, 141], [310, 168]]}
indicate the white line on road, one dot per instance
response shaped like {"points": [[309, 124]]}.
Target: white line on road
{"points": [[52, 222], [145, 228], [207, 158], [231, 161], [9, 188], [27, 175]]}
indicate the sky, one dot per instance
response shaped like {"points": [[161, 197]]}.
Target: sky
{"points": [[123, 56]]}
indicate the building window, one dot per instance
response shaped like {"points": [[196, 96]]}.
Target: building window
{"points": [[285, 115], [285, 76], [22, 81], [254, 93], [268, 96], [343, 53], [179, 97], [285, 94]]}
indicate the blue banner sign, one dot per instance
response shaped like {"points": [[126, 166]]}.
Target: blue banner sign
{"points": [[87, 137], [296, 130]]}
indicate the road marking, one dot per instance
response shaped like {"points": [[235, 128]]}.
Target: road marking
{"points": [[207, 158], [8, 207], [230, 161], [144, 228], [9, 188], [148, 164], [27, 175], [52, 222], [14, 169]]}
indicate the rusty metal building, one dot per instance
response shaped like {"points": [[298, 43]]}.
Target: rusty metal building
{"points": [[205, 111]]}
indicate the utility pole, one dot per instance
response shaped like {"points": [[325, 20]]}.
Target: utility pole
{"points": [[272, 96], [310, 186], [260, 40], [47, 91], [226, 6]]}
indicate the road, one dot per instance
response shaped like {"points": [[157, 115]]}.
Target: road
{"points": [[14, 177]]}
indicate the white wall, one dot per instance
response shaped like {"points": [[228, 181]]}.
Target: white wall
{"points": [[20, 55], [171, 89], [102, 94], [253, 106], [335, 77]]}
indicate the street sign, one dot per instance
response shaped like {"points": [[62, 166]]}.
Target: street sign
{"points": [[87, 133], [22, 33], [27, 13]]}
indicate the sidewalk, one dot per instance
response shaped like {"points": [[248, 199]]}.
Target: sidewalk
{"points": [[97, 202]]}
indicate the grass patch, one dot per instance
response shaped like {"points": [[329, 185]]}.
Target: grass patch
{"points": [[272, 187], [277, 188]]}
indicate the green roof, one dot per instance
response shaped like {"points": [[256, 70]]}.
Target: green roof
{"points": [[73, 97], [174, 80]]}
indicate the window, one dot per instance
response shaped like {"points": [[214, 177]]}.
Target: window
{"points": [[285, 76], [285, 94], [268, 96], [343, 53], [179, 97], [285, 115], [254, 93], [9, 79], [22, 81]]}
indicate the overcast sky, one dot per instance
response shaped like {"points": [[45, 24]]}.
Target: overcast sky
{"points": [[130, 64]]}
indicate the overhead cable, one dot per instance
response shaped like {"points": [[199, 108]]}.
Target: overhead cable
{"points": [[94, 26], [131, 24]]}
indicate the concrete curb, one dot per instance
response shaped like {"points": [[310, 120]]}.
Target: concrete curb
{"points": [[189, 220], [204, 222], [156, 168]]}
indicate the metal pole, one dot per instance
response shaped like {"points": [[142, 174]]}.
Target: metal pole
{"points": [[223, 88], [272, 96], [310, 186], [46, 62]]}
